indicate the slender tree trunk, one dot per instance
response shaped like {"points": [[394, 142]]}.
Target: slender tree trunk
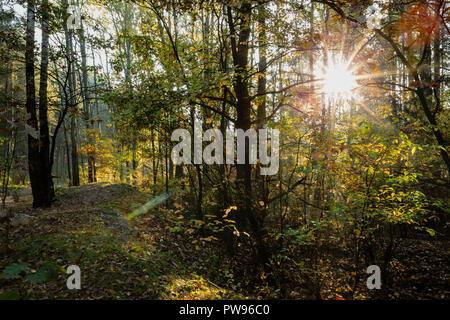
{"points": [[32, 122], [262, 83], [437, 63], [73, 104], [240, 52], [154, 165], [200, 192], [86, 106], [69, 172], [46, 181], [97, 117], [74, 153]]}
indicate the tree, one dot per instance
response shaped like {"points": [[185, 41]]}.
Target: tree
{"points": [[45, 169], [32, 122]]}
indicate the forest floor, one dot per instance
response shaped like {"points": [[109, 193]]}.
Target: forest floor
{"points": [[122, 256], [119, 258]]}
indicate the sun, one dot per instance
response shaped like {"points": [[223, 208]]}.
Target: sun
{"points": [[337, 78]]}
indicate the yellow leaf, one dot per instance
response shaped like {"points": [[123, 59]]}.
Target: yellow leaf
{"points": [[228, 211]]}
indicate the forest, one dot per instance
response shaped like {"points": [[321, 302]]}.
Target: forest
{"points": [[224, 149]]}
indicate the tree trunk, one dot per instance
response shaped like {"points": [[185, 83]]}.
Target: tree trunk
{"points": [[69, 172], [74, 153], [86, 106], [240, 53], [262, 83], [73, 104], [46, 181], [32, 122]]}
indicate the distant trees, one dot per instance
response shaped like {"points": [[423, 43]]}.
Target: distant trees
{"points": [[418, 26]]}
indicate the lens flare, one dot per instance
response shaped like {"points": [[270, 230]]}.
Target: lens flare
{"points": [[338, 79]]}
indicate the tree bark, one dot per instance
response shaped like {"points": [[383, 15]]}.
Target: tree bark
{"points": [[240, 52], [32, 122], [72, 100], [86, 106], [46, 181]]}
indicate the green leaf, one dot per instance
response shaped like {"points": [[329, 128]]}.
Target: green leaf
{"points": [[13, 271], [9, 295], [39, 276]]}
